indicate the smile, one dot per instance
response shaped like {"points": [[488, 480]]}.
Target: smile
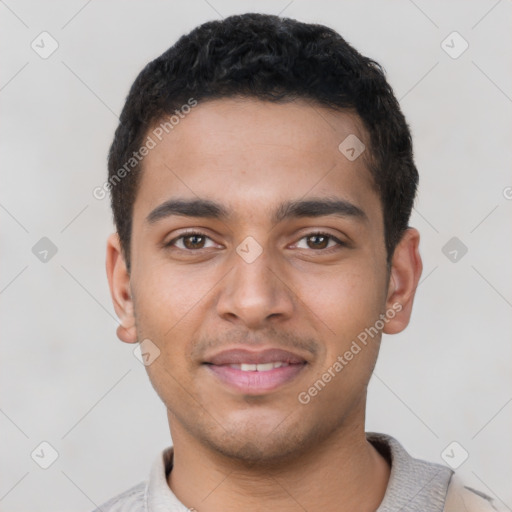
{"points": [[255, 379], [264, 367]]}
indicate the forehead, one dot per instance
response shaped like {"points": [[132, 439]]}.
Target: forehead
{"points": [[248, 153]]}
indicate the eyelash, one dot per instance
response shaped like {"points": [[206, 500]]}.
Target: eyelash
{"points": [[339, 243]]}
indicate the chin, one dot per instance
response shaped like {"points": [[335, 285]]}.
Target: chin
{"points": [[255, 452], [266, 445]]}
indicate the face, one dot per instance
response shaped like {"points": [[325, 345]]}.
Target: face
{"points": [[258, 263]]}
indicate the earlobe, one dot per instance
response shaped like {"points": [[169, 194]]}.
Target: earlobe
{"points": [[406, 267], [127, 334], [119, 284]]}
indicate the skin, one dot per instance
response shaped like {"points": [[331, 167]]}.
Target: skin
{"points": [[235, 451]]}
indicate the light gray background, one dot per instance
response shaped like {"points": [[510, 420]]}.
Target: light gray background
{"points": [[67, 379]]}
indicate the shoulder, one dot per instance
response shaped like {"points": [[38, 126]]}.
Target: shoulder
{"points": [[146, 495], [460, 498], [131, 500]]}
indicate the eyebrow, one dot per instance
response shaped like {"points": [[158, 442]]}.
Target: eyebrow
{"points": [[205, 208]]}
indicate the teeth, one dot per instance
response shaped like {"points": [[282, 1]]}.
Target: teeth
{"points": [[265, 367]]}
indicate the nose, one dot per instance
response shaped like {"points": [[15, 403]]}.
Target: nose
{"points": [[256, 292]]}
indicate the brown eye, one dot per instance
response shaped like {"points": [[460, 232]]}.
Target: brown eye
{"points": [[189, 242], [320, 241], [193, 241]]}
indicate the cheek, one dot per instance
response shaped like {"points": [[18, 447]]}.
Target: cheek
{"points": [[171, 308], [167, 302], [167, 295], [346, 300], [347, 303]]}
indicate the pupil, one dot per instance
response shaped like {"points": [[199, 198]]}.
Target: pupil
{"points": [[324, 238], [192, 241]]}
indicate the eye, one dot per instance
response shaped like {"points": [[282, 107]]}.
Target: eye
{"points": [[320, 241], [194, 241], [189, 241]]}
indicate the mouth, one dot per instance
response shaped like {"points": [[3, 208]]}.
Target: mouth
{"points": [[255, 373]]}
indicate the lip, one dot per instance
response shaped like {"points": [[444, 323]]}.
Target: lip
{"points": [[255, 382], [239, 356]]}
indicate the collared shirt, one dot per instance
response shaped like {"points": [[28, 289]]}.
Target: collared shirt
{"points": [[414, 485]]}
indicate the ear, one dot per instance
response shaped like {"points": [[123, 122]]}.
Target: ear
{"points": [[119, 283], [406, 267]]}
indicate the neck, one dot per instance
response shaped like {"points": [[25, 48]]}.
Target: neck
{"points": [[344, 473]]}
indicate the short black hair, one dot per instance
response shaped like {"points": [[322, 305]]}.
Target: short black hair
{"points": [[276, 59]]}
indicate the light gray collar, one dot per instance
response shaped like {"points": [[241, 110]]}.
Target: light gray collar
{"points": [[414, 485]]}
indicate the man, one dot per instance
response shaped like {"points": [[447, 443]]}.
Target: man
{"points": [[262, 180]]}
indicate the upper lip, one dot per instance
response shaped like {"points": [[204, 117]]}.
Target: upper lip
{"points": [[239, 356]]}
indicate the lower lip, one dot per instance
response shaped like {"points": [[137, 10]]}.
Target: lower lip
{"points": [[253, 383]]}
